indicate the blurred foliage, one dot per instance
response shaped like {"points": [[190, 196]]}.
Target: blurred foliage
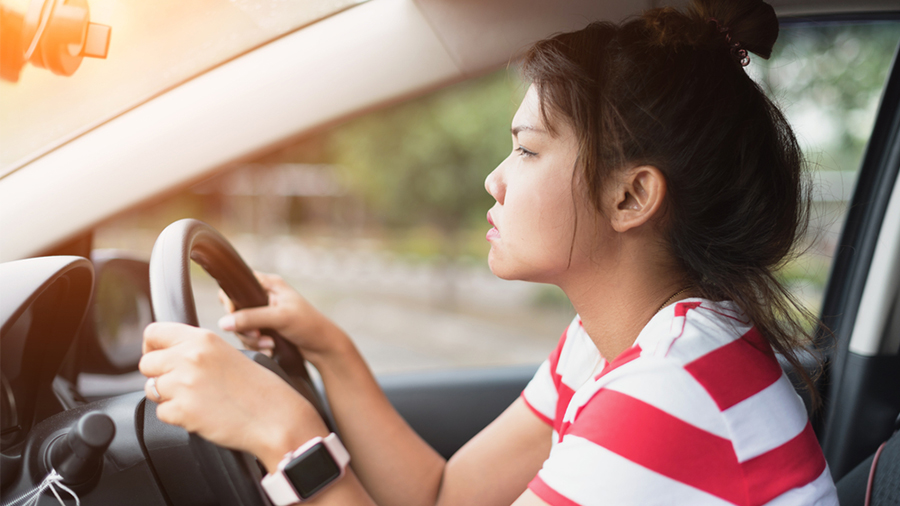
{"points": [[806, 276], [828, 78], [423, 163]]}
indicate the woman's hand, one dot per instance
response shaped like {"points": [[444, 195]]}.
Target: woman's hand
{"points": [[208, 387], [289, 314]]}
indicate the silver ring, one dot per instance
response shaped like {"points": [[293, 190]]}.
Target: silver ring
{"points": [[152, 383]]}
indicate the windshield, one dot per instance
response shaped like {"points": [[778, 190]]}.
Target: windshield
{"points": [[154, 46]]}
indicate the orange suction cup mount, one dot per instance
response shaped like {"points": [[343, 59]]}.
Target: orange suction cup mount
{"points": [[58, 34]]}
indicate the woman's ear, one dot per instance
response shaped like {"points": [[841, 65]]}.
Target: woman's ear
{"points": [[638, 196]]}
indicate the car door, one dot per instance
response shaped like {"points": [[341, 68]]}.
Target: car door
{"points": [[862, 307]]}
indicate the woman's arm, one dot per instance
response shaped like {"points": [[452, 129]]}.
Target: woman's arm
{"points": [[397, 467], [393, 463], [496, 465]]}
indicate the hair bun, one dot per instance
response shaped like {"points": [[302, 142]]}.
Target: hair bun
{"points": [[751, 23]]}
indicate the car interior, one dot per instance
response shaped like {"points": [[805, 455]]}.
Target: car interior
{"points": [[72, 310]]}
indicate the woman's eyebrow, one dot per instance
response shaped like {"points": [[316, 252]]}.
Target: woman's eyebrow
{"points": [[519, 128]]}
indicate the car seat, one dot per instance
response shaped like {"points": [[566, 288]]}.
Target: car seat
{"points": [[874, 485]]}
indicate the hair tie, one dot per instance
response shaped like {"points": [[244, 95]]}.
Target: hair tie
{"points": [[739, 53]]}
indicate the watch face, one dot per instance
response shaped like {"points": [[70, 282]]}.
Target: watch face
{"points": [[312, 471]]}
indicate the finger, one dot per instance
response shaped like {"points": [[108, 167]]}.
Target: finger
{"points": [[151, 390], [244, 320], [257, 342], [159, 362], [263, 344], [250, 338], [225, 301], [171, 413], [274, 285], [148, 390], [271, 282], [168, 387], [161, 335]]}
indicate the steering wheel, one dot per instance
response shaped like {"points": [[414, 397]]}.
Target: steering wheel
{"points": [[234, 476]]}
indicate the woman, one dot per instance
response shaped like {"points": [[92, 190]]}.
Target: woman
{"points": [[652, 181]]}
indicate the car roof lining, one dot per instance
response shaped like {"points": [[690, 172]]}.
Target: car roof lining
{"points": [[507, 27]]}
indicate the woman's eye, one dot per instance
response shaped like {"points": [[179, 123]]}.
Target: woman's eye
{"points": [[524, 152]]}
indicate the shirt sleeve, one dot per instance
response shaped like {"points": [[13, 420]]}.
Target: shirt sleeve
{"points": [[541, 394], [627, 446], [651, 434]]}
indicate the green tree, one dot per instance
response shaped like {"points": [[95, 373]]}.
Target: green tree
{"points": [[828, 78], [838, 70], [424, 162]]}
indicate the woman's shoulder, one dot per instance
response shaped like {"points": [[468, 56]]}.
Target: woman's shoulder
{"points": [[699, 365], [699, 329], [701, 400], [712, 345], [698, 360], [573, 360]]}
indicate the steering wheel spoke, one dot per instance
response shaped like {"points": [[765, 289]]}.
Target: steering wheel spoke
{"points": [[232, 476]]}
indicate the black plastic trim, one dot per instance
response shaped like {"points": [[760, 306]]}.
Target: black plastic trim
{"points": [[448, 408], [850, 270], [840, 17], [871, 403]]}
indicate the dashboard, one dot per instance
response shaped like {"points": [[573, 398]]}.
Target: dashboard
{"points": [[109, 451], [44, 303]]}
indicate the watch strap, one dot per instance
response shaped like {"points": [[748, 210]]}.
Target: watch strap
{"points": [[279, 489], [277, 485], [337, 450]]}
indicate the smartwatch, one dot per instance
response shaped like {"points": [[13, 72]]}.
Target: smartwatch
{"points": [[306, 471]]}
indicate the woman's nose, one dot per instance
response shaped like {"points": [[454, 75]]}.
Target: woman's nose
{"points": [[495, 186]]}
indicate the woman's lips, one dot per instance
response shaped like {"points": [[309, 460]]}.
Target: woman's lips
{"points": [[492, 233]]}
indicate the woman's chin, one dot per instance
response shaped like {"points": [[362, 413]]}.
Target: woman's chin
{"points": [[502, 268], [511, 270], [496, 265], [502, 275]]}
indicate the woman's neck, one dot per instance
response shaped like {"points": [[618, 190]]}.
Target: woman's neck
{"points": [[615, 305]]}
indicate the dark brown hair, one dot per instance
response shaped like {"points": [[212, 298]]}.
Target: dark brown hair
{"points": [[667, 89]]}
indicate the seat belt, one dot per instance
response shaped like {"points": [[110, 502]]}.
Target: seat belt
{"points": [[872, 474]]}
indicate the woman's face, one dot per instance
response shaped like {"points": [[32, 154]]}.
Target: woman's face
{"points": [[534, 216]]}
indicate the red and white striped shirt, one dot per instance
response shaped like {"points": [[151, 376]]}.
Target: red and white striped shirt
{"points": [[697, 411]]}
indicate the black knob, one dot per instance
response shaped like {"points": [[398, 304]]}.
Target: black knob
{"points": [[78, 456]]}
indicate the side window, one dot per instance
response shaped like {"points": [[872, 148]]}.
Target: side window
{"points": [[380, 221], [827, 77]]}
